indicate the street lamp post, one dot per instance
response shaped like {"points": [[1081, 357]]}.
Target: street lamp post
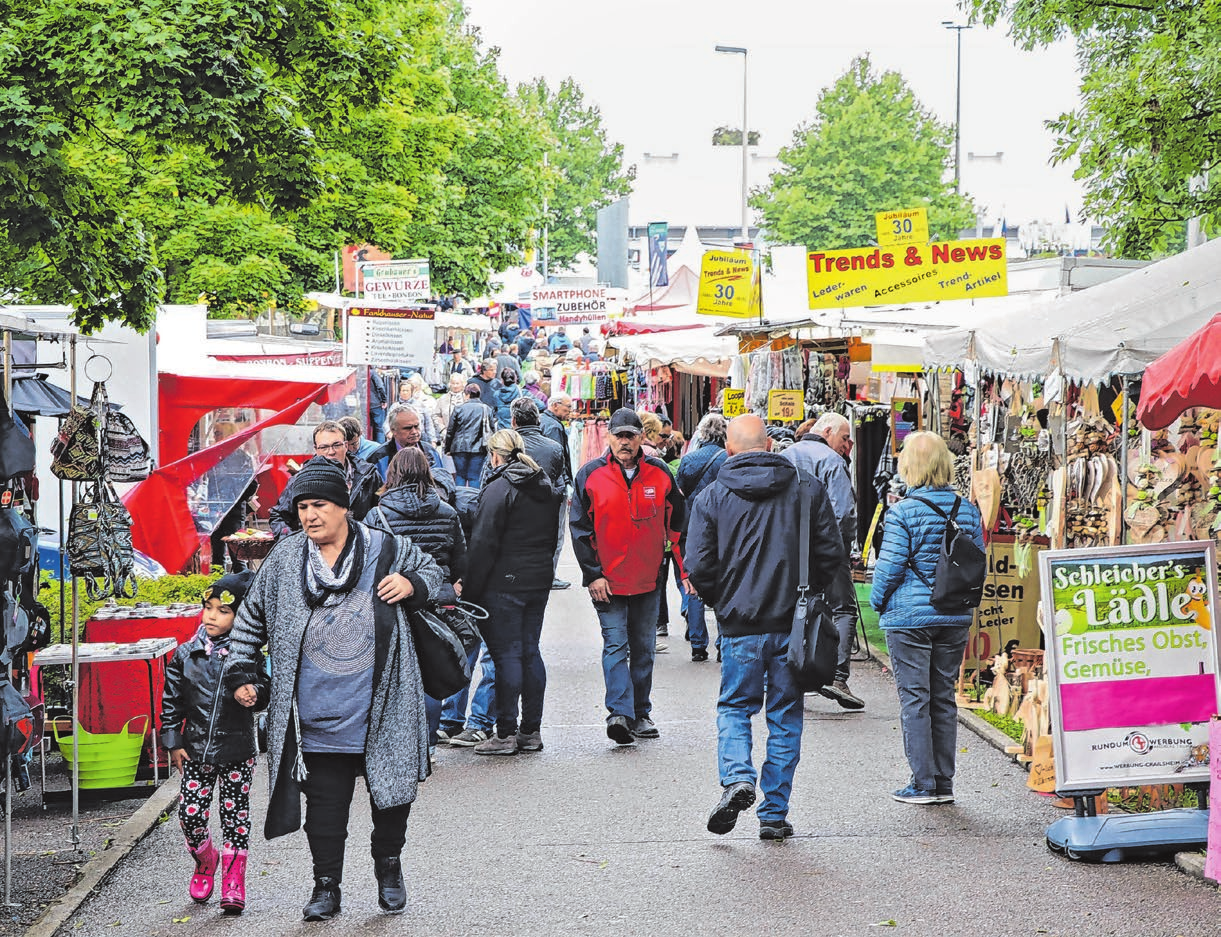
{"points": [[736, 50], [958, 28]]}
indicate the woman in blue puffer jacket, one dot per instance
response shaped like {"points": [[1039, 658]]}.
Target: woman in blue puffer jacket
{"points": [[926, 646]]}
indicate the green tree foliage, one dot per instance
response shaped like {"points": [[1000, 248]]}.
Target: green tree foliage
{"points": [[586, 170], [1149, 121], [156, 149], [871, 147], [245, 84]]}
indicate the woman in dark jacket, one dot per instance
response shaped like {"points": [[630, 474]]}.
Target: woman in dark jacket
{"points": [[464, 437], [514, 536], [411, 506], [925, 645]]}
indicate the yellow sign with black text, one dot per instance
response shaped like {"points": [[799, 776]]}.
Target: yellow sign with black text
{"points": [[878, 276], [733, 403], [729, 284], [788, 405], [905, 226]]}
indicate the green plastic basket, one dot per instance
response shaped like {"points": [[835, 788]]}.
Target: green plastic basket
{"points": [[105, 759]]}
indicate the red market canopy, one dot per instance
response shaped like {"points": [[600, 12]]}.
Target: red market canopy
{"points": [[183, 399], [1189, 375], [642, 327]]}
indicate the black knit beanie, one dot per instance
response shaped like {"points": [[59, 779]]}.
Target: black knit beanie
{"points": [[321, 478], [230, 589]]}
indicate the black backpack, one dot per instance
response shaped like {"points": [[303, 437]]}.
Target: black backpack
{"points": [[958, 581]]}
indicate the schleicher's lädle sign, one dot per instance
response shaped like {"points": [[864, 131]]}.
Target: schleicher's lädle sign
{"points": [[1131, 662]]}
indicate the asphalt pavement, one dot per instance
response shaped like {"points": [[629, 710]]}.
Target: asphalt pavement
{"points": [[587, 837]]}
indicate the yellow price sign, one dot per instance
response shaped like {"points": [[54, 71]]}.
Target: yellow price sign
{"points": [[788, 405], [906, 226], [733, 403]]}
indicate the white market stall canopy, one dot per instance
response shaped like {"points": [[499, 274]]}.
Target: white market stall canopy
{"points": [[694, 351], [1115, 328]]}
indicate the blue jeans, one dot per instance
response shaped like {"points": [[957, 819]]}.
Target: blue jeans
{"points": [[483, 705], [512, 632], [629, 642], [754, 673], [925, 663], [468, 466], [697, 628]]}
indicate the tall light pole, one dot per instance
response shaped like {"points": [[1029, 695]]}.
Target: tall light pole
{"points": [[736, 50], [958, 28]]}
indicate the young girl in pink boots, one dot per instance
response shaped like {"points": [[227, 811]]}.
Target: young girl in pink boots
{"points": [[210, 736]]}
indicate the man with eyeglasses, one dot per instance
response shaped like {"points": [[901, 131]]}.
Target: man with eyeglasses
{"points": [[330, 442], [404, 429], [625, 506]]}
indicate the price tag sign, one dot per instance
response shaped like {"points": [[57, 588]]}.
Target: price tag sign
{"points": [[785, 405], [734, 402], [906, 226]]}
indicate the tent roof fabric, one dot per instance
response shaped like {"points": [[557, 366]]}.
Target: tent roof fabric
{"points": [[694, 351], [37, 395], [1115, 328]]}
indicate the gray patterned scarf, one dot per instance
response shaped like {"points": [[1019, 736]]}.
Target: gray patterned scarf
{"points": [[319, 579]]}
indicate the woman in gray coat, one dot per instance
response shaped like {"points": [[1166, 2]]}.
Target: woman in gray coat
{"points": [[330, 603]]}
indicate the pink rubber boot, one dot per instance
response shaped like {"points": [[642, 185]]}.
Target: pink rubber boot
{"points": [[233, 881], [203, 880]]}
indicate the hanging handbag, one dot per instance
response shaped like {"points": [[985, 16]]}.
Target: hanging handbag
{"points": [[76, 454], [16, 446], [127, 456], [444, 665], [99, 544], [813, 644], [462, 618]]}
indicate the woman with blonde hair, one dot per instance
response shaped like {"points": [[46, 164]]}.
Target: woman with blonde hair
{"points": [[651, 423], [512, 542], [926, 645]]}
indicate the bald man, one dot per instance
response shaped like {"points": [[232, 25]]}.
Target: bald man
{"points": [[742, 558], [823, 452]]}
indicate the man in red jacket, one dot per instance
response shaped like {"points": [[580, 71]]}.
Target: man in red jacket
{"points": [[625, 506]]}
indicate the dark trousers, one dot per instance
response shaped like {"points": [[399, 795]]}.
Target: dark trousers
{"points": [[329, 787], [512, 634]]}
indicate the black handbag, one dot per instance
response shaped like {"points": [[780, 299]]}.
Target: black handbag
{"points": [[814, 643], [444, 665], [16, 446]]}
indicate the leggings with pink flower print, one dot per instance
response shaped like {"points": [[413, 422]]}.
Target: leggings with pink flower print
{"points": [[195, 802]]}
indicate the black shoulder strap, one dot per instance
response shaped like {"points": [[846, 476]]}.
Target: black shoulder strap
{"points": [[953, 511], [804, 506]]}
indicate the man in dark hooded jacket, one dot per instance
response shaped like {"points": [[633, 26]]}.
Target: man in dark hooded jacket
{"points": [[742, 558]]}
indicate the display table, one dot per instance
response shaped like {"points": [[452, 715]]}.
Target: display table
{"points": [[144, 652], [109, 696]]}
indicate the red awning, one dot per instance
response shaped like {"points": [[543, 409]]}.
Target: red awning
{"points": [[1189, 375], [182, 399], [643, 327]]}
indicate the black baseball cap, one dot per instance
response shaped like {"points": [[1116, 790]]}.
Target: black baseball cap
{"points": [[625, 420]]}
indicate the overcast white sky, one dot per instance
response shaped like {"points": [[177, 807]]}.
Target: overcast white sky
{"points": [[651, 68]]}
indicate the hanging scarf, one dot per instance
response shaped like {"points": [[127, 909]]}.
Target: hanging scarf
{"points": [[319, 580]]}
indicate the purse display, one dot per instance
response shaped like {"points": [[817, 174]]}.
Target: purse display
{"points": [[76, 454], [99, 544], [127, 456]]}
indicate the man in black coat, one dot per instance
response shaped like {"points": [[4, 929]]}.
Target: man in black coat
{"points": [[405, 429], [488, 383], [551, 424], [546, 452], [742, 556], [465, 437]]}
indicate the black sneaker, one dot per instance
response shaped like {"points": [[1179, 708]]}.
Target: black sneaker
{"points": [[699, 654], [735, 798], [617, 730], [839, 692], [663, 630], [643, 728], [324, 902], [391, 891], [775, 829]]}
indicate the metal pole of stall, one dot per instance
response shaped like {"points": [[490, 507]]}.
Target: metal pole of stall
{"points": [[8, 761], [76, 664], [1124, 426]]}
